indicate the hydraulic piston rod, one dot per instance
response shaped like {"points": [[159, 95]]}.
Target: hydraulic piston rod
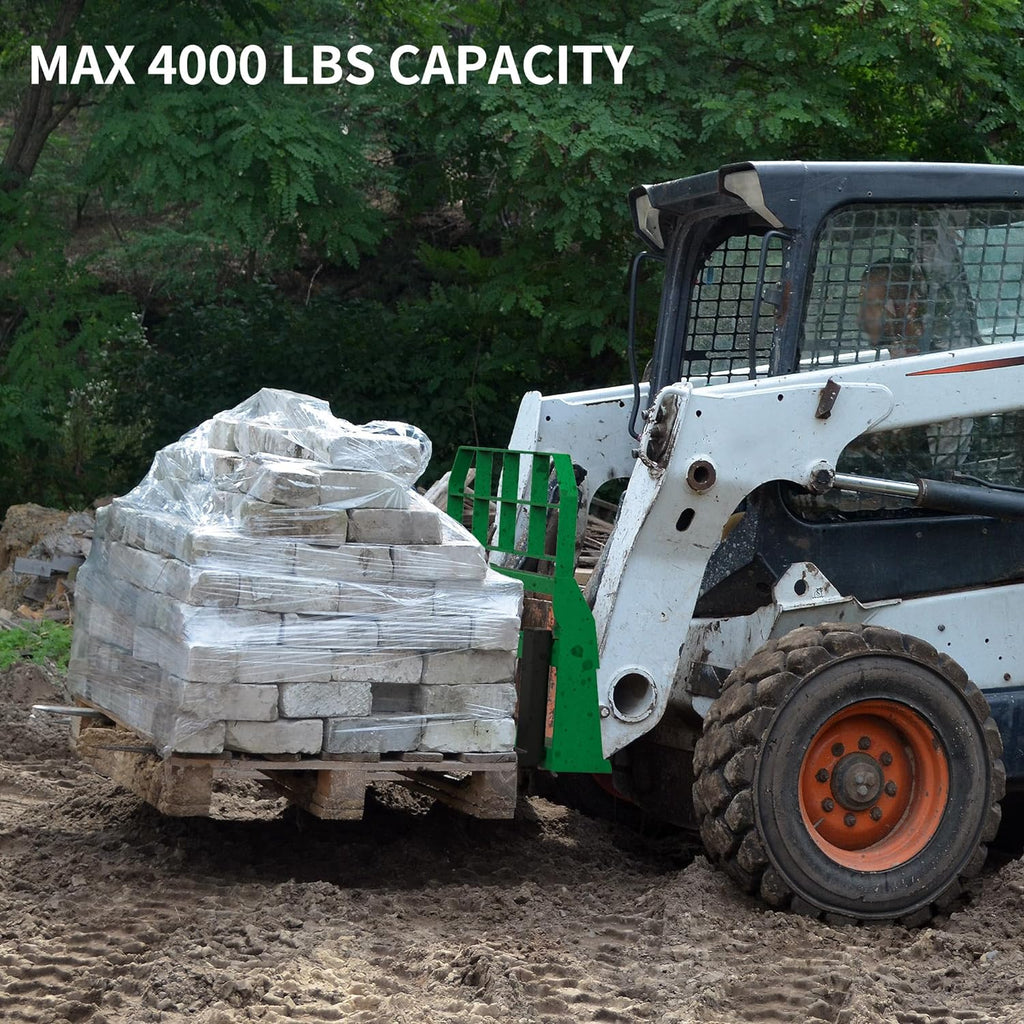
{"points": [[966, 499]]}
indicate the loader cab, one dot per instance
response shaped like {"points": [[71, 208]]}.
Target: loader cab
{"points": [[727, 278], [777, 268], [765, 262]]}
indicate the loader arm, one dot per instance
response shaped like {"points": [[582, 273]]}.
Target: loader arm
{"points": [[703, 452], [587, 426]]}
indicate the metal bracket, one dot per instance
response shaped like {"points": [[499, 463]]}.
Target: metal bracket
{"points": [[827, 399]]}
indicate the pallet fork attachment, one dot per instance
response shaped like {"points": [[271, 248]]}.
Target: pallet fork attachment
{"points": [[528, 493]]}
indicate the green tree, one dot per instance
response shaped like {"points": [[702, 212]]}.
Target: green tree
{"points": [[864, 79], [424, 252]]}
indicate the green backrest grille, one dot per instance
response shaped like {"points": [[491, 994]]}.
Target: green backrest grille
{"points": [[538, 531]]}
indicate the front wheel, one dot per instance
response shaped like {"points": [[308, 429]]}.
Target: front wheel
{"points": [[851, 771]]}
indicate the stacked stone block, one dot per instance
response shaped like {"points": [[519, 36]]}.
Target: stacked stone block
{"points": [[275, 586]]}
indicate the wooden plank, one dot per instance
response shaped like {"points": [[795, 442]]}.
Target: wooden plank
{"points": [[181, 791], [333, 795], [181, 785], [339, 795], [239, 765], [500, 757], [490, 794]]}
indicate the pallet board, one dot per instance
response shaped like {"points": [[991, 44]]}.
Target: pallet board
{"points": [[182, 785]]}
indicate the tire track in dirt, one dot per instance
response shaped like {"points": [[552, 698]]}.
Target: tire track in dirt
{"points": [[110, 914]]}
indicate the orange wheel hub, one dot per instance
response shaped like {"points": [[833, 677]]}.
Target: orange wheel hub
{"points": [[873, 785]]}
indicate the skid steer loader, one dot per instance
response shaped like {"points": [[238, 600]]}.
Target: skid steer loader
{"points": [[803, 634]]}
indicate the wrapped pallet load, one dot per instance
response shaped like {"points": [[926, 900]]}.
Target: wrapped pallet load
{"points": [[275, 586]]}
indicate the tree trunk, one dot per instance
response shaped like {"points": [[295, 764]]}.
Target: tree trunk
{"points": [[39, 111]]}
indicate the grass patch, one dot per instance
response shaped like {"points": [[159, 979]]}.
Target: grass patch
{"points": [[40, 642]]}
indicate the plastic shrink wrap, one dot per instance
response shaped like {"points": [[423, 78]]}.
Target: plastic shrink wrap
{"points": [[274, 585]]}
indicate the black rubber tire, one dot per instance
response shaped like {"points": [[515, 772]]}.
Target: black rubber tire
{"points": [[747, 763]]}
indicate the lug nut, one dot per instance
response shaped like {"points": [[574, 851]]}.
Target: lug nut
{"points": [[828, 804], [862, 791], [850, 820], [838, 750], [822, 775], [890, 788], [876, 813], [864, 743], [886, 758]]}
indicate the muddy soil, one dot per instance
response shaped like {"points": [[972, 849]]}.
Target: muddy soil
{"points": [[110, 913]]}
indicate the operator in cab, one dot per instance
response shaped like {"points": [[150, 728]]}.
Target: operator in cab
{"points": [[891, 307], [891, 316]]}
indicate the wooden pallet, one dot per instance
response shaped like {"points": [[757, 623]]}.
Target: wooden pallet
{"points": [[481, 785]]}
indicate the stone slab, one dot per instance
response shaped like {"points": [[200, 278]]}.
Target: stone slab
{"points": [[394, 526], [208, 740], [494, 595], [496, 633], [280, 737], [357, 562], [226, 548], [404, 667], [325, 700], [469, 736], [206, 702], [472, 700], [456, 667], [195, 662], [376, 734], [410, 630], [287, 665], [289, 484], [345, 634], [438, 562], [384, 599], [221, 434], [287, 594], [324, 525], [366, 489]]}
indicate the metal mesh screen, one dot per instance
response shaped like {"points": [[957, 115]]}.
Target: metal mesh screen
{"points": [[721, 310], [988, 448], [897, 280], [901, 279]]}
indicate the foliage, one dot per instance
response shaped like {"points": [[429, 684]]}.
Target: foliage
{"points": [[423, 252], [867, 79], [55, 320], [253, 170], [41, 643], [103, 442], [423, 362]]}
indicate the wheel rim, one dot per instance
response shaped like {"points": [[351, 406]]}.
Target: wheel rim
{"points": [[873, 785]]}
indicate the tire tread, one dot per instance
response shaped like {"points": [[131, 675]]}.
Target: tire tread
{"points": [[726, 754]]}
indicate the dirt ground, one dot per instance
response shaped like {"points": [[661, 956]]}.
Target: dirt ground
{"points": [[110, 913]]}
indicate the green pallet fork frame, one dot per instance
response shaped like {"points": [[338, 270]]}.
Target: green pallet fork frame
{"points": [[521, 529]]}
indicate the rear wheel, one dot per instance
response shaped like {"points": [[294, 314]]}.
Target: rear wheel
{"points": [[850, 771]]}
